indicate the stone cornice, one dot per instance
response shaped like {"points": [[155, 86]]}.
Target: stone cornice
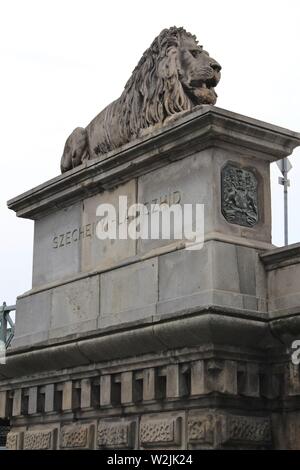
{"points": [[208, 325], [195, 131], [281, 257]]}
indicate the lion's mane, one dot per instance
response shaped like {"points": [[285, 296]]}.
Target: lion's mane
{"points": [[154, 92]]}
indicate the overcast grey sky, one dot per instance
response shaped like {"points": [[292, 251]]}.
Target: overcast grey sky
{"points": [[62, 61]]}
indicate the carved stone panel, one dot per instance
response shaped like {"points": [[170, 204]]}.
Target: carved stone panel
{"points": [[40, 439], [160, 432], [117, 435], [77, 437], [239, 189], [246, 430], [201, 428], [14, 440]]}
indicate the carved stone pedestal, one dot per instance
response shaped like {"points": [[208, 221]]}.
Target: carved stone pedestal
{"points": [[145, 344]]}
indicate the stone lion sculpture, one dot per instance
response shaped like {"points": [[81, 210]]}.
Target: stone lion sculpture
{"points": [[174, 75]]}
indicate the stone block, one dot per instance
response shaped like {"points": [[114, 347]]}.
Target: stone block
{"points": [[126, 387], [77, 437], [116, 434], [49, 398], [105, 390], [200, 429], [198, 378], [104, 254], [14, 440], [70, 396], [187, 181], [86, 393], [149, 384], [219, 274], [252, 431], [129, 293], [17, 402], [284, 288], [75, 307], [3, 404], [184, 273], [32, 400], [161, 431], [32, 319], [40, 439], [56, 253]]}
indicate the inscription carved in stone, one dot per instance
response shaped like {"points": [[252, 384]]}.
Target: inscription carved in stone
{"points": [[160, 431], [117, 435], [239, 196]]}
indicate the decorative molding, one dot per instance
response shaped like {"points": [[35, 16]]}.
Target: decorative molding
{"points": [[191, 380]]}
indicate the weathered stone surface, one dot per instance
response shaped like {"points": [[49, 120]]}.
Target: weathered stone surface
{"points": [[149, 384], [57, 245], [187, 181], [103, 254], [127, 387], [70, 396], [86, 393], [217, 430], [40, 439], [17, 402], [75, 307], [33, 400], [246, 429], [182, 274], [201, 428], [49, 398], [283, 288], [14, 440], [129, 293], [218, 274], [3, 404], [198, 378], [161, 430], [251, 383], [77, 437], [32, 319], [118, 434], [105, 390]]}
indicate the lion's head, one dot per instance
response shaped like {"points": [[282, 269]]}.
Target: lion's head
{"points": [[174, 75]]}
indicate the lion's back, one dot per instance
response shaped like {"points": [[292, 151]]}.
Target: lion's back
{"points": [[104, 133]]}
